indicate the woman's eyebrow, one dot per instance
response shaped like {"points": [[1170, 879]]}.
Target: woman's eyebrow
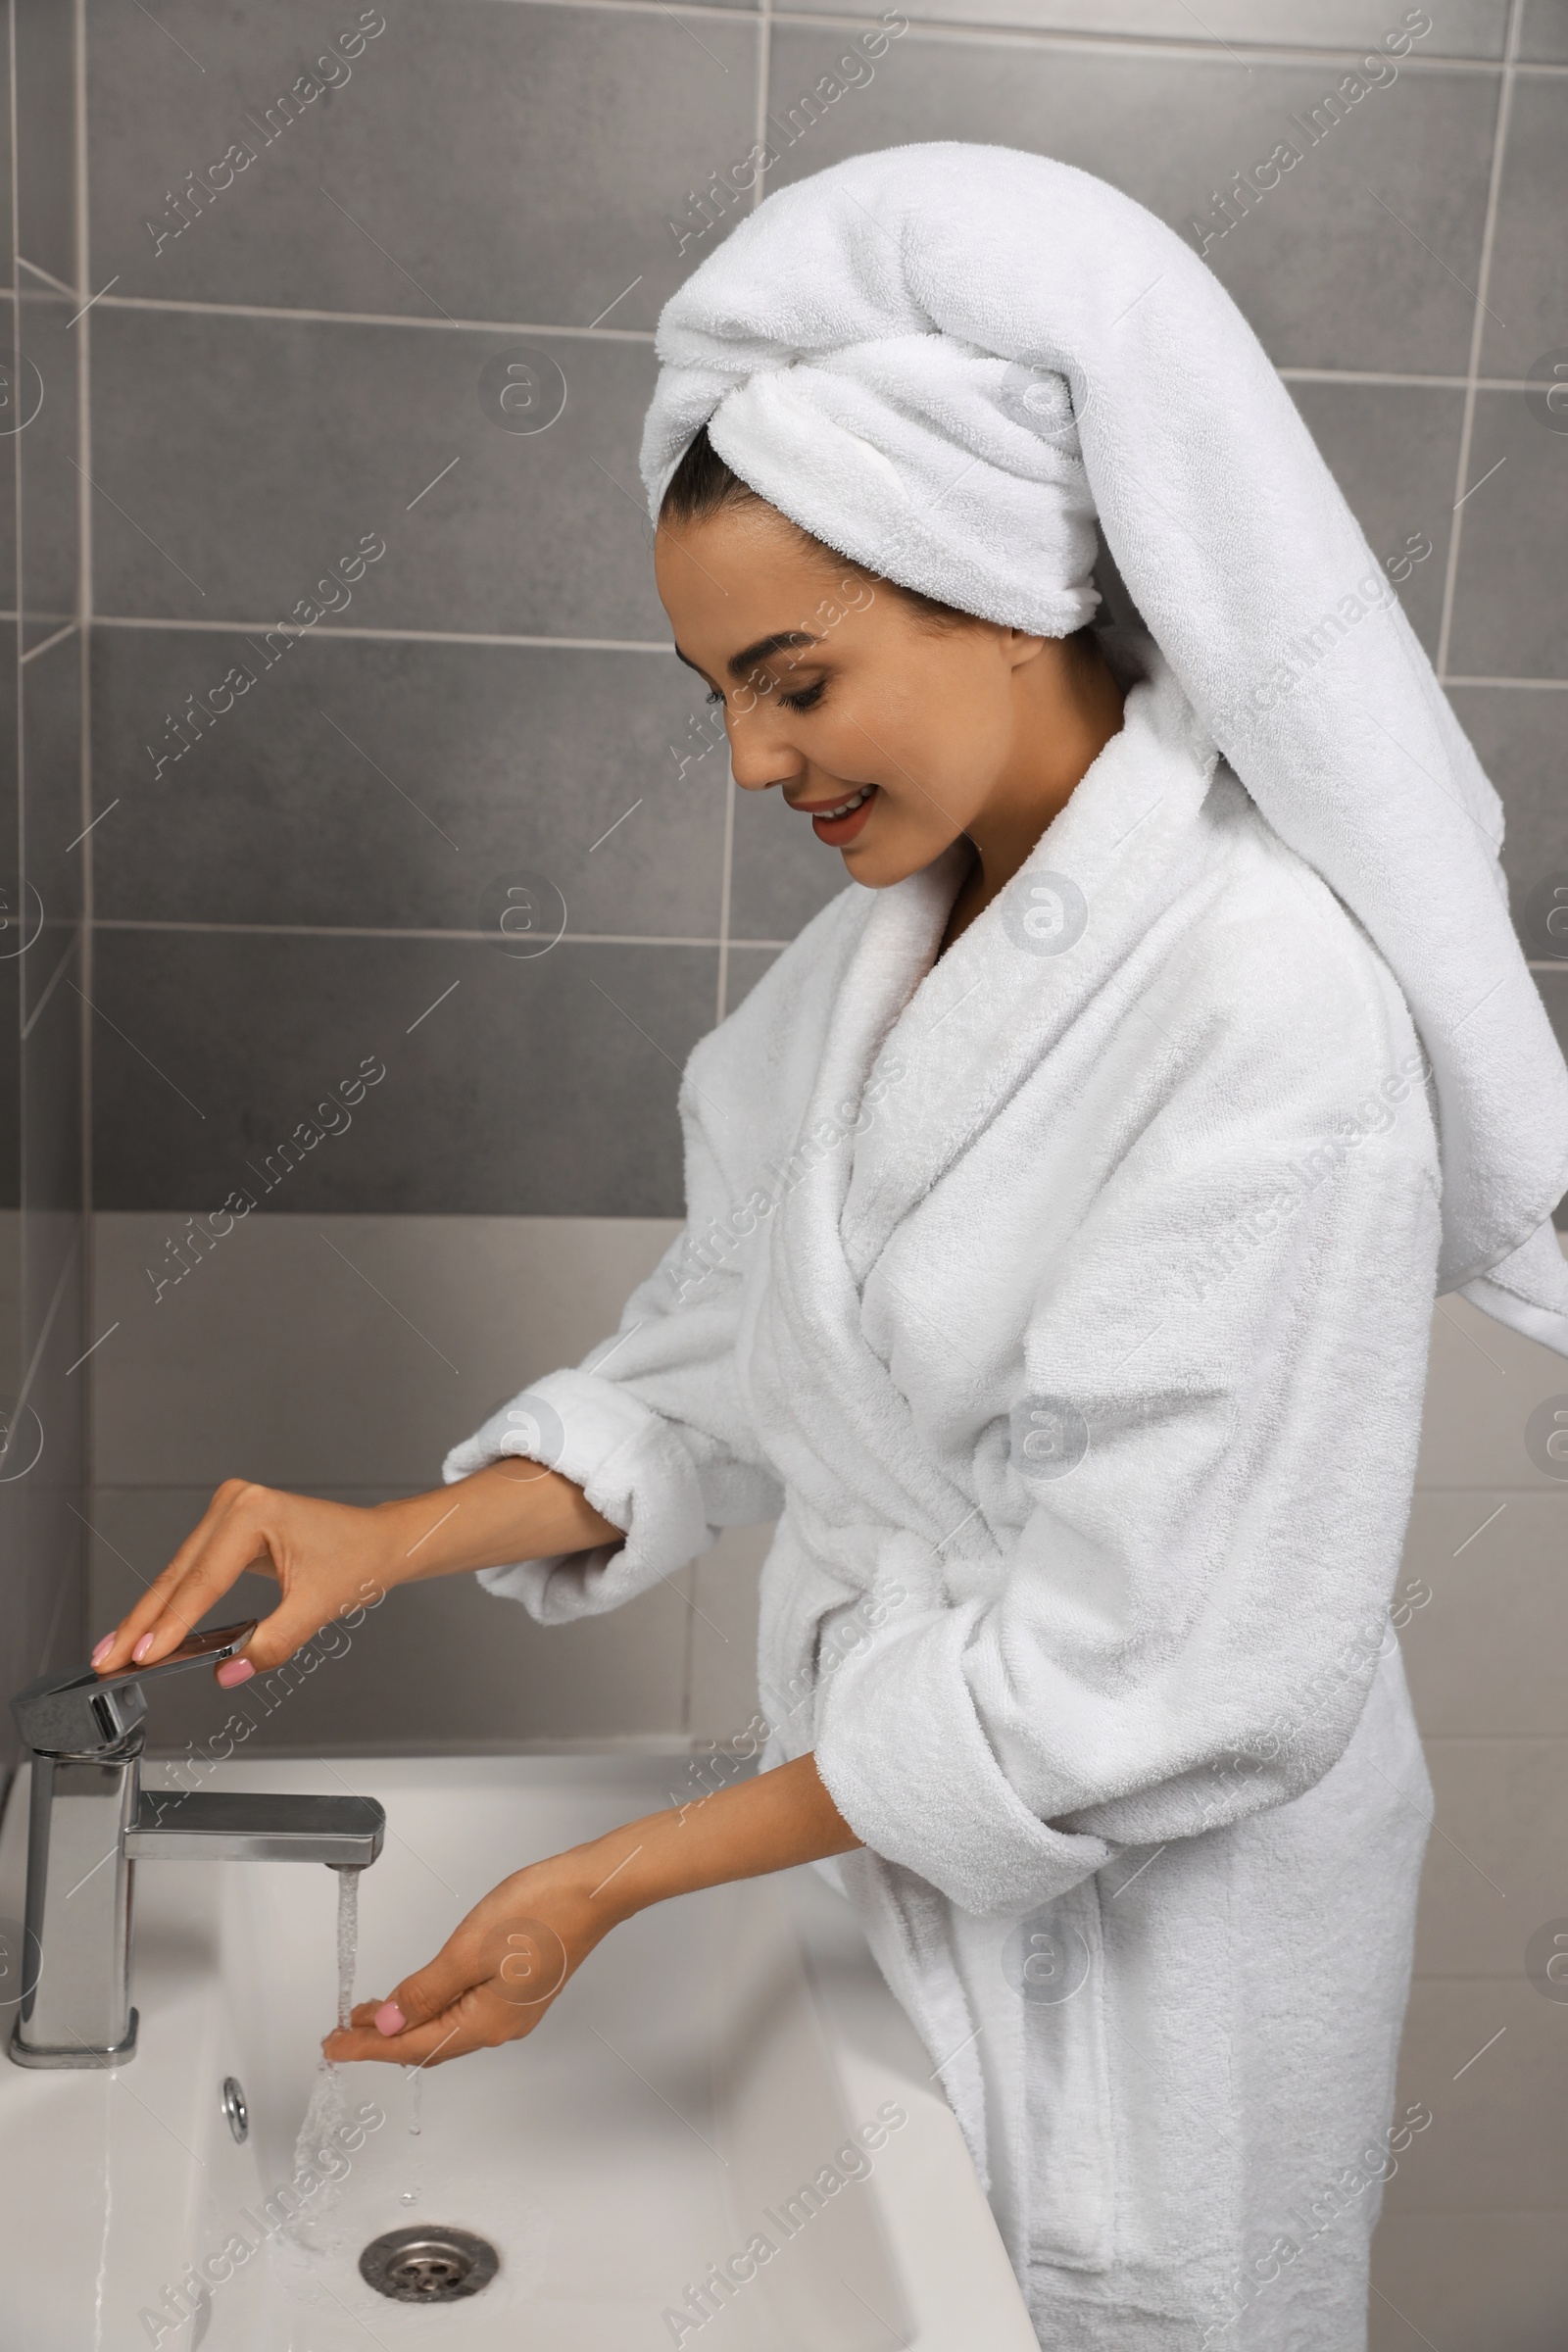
{"points": [[782, 640], [741, 665]]}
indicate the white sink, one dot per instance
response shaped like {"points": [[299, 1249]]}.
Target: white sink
{"points": [[711, 2056]]}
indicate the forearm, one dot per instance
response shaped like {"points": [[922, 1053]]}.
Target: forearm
{"points": [[511, 1511], [503, 1965], [772, 1821]]}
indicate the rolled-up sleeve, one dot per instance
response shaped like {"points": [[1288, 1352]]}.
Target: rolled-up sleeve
{"points": [[653, 1424], [1180, 1620]]}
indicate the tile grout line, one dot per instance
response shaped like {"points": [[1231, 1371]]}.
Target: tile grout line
{"points": [[14, 302], [1393, 379], [52, 983], [1494, 1739], [567, 939], [564, 645], [439, 326], [1478, 323], [46, 644], [1387, 376], [724, 892], [238, 629], [765, 38], [1154, 46], [84, 606], [55, 284], [765, 63], [1155, 49]]}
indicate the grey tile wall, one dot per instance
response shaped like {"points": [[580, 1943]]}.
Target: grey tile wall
{"points": [[540, 1086], [472, 161], [42, 945], [410, 774], [290, 365], [1545, 31], [1361, 259], [44, 50]]}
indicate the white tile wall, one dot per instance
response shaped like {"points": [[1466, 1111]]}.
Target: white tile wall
{"points": [[1472, 2252], [344, 1354]]}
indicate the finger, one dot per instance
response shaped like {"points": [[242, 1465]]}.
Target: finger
{"points": [[114, 1652], [297, 1619], [429, 1991], [246, 1536], [219, 1548], [455, 2034]]}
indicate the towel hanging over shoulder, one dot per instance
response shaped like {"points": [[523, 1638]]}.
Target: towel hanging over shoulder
{"points": [[946, 361]]}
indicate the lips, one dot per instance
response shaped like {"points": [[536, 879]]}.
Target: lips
{"points": [[836, 831]]}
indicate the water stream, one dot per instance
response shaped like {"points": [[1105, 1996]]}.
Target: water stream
{"points": [[327, 2107], [413, 2075]]}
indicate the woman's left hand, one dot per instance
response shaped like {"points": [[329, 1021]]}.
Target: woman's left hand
{"points": [[495, 1976]]}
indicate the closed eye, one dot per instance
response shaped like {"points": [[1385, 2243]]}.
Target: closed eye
{"points": [[806, 700]]}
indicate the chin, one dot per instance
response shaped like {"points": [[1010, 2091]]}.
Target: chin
{"points": [[878, 869]]}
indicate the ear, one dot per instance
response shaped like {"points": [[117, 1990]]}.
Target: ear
{"points": [[1019, 646]]}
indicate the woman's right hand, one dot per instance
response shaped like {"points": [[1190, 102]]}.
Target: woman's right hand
{"points": [[326, 1557]]}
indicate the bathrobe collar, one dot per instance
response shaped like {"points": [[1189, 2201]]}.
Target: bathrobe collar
{"points": [[968, 1028], [953, 1039]]}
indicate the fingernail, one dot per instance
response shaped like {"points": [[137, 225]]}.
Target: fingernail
{"points": [[142, 1647], [103, 1649], [235, 1670], [389, 2018]]}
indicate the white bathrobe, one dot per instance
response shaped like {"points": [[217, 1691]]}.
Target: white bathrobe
{"points": [[1067, 1299]]}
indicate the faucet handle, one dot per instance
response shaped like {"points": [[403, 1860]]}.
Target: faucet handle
{"points": [[76, 1711]]}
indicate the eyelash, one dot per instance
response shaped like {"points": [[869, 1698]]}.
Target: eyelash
{"points": [[806, 700]]}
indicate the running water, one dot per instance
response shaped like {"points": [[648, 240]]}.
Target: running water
{"points": [[327, 2107], [415, 2076], [347, 1936]]}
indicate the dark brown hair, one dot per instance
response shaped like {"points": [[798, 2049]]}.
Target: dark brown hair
{"points": [[703, 483]]}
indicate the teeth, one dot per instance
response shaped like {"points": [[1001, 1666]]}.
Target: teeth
{"points": [[844, 808]]}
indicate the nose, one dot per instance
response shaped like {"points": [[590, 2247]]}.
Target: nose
{"points": [[759, 754]]}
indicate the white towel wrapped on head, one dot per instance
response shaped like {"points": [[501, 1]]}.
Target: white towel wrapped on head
{"points": [[945, 361]]}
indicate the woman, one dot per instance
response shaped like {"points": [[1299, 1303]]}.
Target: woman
{"points": [[1065, 1209]]}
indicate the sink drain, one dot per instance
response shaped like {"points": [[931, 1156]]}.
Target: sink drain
{"points": [[424, 2264]]}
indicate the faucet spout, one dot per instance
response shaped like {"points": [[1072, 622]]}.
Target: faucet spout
{"points": [[90, 1821], [239, 1825]]}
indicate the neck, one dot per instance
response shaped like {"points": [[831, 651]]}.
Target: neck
{"points": [[1069, 710]]}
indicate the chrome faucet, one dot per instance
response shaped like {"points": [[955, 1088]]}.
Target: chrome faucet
{"points": [[90, 1822]]}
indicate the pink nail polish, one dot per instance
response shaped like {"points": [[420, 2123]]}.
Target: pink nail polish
{"points": [[103, 1649], [142, 1647], [234, 1670], [389, 2018]]}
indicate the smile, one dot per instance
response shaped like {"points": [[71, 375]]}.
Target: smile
{"points": [[844, 806], [839, 822]]}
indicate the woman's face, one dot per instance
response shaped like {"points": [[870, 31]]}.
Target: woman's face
{"points": [[837, 690]]}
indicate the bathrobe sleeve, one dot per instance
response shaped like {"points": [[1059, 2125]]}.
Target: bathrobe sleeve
{"points": [[653, 1424], [1194, 1497]]}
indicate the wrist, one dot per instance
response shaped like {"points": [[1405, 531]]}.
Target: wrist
{"points": [[625, 1870], [387, 1537], [417, 1535]]}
